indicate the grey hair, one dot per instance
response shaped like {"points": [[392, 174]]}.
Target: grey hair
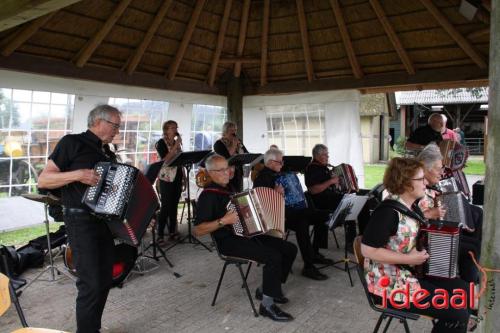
{"points": [[211, 160], [318, 149], [430, 155], [227, 125], [272, 154], [102, 111], [434, 115]]}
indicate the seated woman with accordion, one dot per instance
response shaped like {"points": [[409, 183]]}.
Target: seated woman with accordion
{"points": [[276, 254], [393, 258], [432, 207]]}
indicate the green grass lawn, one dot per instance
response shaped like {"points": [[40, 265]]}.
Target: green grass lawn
{"points": [[475, 167], [374, 173], [22, 236]]}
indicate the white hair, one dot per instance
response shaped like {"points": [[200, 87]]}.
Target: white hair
{"points": [[318, 149], [228, 125], [211, 160], [430, 155], [272, 154], [433, 116]]}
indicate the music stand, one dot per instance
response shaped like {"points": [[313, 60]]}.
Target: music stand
{"points": [[186, 160], [47, 200], [296, 163], [244, 159], [347, 212]]}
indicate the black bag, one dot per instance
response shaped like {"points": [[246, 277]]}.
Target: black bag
{"points": [[57, 238], [9, 260], [29, 257]]}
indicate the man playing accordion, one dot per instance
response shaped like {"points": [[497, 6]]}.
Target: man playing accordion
{"points": [[276, 254], [298, 219]]}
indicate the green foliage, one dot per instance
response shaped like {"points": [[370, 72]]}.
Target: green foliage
{"points": [[399, 146], [5, 109], [477, 92]]}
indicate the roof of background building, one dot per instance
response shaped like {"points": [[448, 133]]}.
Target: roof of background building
{"points": [[443, 96]]}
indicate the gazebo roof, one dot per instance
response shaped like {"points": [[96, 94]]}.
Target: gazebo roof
{"points": [[278, 46]]}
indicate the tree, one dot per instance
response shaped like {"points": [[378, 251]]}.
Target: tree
{"points": [[6, 106]]}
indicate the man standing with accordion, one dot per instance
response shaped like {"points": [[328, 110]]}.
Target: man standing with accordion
{"points": [[297, 219], [276, 254], [70, 167]]}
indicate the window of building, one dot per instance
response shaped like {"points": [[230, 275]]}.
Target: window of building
{"points": [[206, 125], [295, 129], [31, 124], [140, 130]]}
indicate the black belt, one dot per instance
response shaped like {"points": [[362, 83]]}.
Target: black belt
{"points": [[68, 210]]}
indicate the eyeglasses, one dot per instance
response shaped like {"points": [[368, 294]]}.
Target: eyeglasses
{"points": [[279, 162], [221, 170], [419, 179], [115, 125]]}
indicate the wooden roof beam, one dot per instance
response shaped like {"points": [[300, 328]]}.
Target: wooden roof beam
{"points": [[17, 12], [25, 33], [139, 52], [391, 34], [84, 55], [174, 66], [244, 60], [346, 39], [305, 40], [464, 44], [220, 43], [479, 33], [264, 42], [242, 36]]}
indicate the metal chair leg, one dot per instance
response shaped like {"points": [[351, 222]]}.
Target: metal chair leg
{"points": [[247, 290], [19, 310], [387, 324], [246, 274], [379, 321], [220, 281], [405, 323]]}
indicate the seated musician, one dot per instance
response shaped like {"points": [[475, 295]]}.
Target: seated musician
{"points": [[276, 254], [424, 135], [389, 244], [470, 239], [321, 185], [297, 219]]}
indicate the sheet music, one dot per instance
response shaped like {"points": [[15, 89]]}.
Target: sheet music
{"points": [[349, 201], [358, 204]]}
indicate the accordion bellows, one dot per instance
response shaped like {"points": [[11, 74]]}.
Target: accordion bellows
{"points": [[260, 211]]}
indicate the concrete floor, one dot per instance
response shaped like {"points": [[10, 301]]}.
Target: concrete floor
{"points": [[160, 302]]}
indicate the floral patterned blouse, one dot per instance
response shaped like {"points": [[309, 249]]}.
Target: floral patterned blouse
{"points": [[387, 277]]}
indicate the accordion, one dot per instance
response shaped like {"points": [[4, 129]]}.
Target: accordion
{"points": [[260, 210], [294, 194], [348, 181], [441, 240], [124, 198], [454, 154], [457, 206]]}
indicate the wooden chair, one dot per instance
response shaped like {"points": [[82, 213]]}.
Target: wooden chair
{"points": [[7, 296], [384, 312], [238, 262]]}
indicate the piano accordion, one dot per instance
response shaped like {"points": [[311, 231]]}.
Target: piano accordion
{"points": [[294, 194], [454, 154], [348, 181], [260, 211], [124, 198], [441, 240], [457, 206]]}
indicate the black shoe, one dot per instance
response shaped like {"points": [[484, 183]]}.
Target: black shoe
{"points": [[275, 313], [313, 273], [279, 300], [320, 259]]}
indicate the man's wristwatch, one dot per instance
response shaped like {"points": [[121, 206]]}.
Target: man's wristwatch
{"points": [[219, 222]]}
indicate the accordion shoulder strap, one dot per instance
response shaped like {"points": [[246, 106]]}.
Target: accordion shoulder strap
{"points": [[218, 191], [399, 207]]}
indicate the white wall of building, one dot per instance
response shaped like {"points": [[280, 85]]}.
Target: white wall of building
{"points": [[342, 123]]}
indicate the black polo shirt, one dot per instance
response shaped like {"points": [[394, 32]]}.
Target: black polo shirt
{"points": [[317, 174], [75, 152], [425, 135], [266, 178], [211, 206]]}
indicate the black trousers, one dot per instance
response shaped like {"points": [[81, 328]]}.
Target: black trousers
{"points": [[299, 221], [276, 254], [471, 241], [93, 254], [170, 195], [448, 320]]}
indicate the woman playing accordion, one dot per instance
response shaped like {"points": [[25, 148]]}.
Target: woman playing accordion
{"points": [[389, 245]]}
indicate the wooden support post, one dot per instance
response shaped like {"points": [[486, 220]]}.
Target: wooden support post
{"points": [[220, 43], [490, 254], [235, 102], [242, 36], [264, 43]]}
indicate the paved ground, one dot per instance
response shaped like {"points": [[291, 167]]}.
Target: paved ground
{"points": [[160, 302]]}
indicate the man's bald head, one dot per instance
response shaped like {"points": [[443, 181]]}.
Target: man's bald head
{"points": [[436, 122]]}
